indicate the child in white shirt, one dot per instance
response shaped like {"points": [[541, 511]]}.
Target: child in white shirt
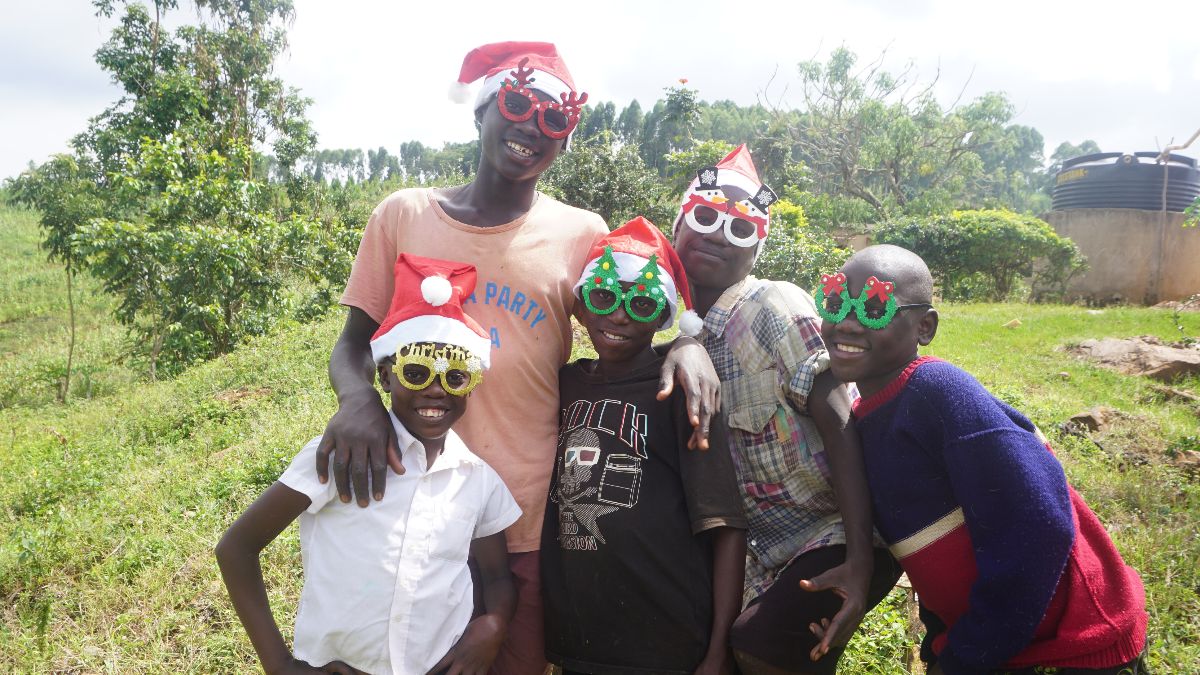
{"points": [[408, 606]]}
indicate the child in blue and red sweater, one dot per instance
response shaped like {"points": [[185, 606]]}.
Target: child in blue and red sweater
{"points": [[1012, 570]]}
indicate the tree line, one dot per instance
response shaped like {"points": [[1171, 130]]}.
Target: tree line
{"points": [[202, 201]]}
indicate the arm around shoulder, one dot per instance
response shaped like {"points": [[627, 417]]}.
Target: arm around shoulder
{"points": [[359, 436]]}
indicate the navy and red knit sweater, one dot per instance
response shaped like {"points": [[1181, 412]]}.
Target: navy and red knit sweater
{"points": [[1012, 569]]}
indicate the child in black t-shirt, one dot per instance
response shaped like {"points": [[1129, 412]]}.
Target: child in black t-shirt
{"points": [[643, 543]]}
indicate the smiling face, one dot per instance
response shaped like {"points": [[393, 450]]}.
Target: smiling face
{"points": [[515, 150], [620, 340], [427, 413], [872, 358], [711, 260]]}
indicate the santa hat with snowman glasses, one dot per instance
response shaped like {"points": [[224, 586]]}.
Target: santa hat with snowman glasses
{"points": [[745, 219]]}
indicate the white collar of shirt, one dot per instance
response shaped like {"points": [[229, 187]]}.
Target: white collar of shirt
{"points": [[412, 450]]}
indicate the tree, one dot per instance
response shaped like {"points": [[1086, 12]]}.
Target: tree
{"points": [[596, 120], [795, 251], [173, 208], [629, 124], [613, 181], [683, 165], [205, 263], [65, 193], [1066, 150], [883, 138]]}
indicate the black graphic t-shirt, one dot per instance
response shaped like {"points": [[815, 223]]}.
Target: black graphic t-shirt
{"points": [[626, 568]]}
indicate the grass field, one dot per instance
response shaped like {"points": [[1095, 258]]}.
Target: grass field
{"points": [[112, 502]]}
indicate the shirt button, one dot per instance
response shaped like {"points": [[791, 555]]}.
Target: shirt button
{"points": [[754, 542]]}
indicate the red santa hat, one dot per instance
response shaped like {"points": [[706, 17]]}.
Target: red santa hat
{"points": [[737, 169], [493, 62], [427, 307], [633, 246]]}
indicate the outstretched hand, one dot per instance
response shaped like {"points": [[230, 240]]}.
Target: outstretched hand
{"points": [[851, 586], [687, 362], [359, 436]]}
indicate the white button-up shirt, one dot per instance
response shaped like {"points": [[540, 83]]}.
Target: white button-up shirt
{"points": [[386, 588]]}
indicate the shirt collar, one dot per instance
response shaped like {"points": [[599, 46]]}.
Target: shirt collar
{"points": [[718, 315], [412, 450]]}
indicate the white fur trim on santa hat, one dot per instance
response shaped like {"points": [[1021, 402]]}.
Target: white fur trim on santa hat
{"points": [[436, 290], [629, 266], [690, 323], [542, 81], [431, 328]]}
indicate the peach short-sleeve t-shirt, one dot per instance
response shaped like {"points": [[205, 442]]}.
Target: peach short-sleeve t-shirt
{"points": [[526, 269]]}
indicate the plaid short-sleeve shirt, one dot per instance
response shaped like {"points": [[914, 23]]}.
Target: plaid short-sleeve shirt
{"points": [[764, 339]]}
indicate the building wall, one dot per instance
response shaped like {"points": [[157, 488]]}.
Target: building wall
{"points": [[1135, 256]]}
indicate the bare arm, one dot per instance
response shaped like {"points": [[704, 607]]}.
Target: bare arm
{"points": [[829, 405], [688, 364], [477, 648], [359, 435], [238, 556], [729, 574]]}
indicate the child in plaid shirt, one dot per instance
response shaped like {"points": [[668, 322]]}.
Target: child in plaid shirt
{"points": [[812, 570]]}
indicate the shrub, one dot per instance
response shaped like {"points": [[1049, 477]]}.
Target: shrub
{"points": [[796, 252], [983, 254]]}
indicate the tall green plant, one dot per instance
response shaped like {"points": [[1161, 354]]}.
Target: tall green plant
{"points": [[795, 251], [205, 263], [64, 191]]}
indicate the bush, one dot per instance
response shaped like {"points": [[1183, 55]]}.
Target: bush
{"points": [[205, 262], [796, 252], [982, 255], [599, 175]]}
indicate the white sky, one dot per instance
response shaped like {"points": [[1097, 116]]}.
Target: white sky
{"points": [[1125, 74]]}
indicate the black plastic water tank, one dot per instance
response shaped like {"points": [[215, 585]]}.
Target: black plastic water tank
{"points": [[1114, 180]]}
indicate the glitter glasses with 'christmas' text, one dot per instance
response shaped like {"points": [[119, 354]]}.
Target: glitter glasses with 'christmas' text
{"points": [[459, 370]]}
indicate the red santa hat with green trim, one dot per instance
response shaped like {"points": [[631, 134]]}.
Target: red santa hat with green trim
{"points": [[633, 246], [427, 307], [492, 62]]}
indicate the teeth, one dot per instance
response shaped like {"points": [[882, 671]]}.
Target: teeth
{"points": [[611, 336], [519, 149], [850, 348], [432, 413]]}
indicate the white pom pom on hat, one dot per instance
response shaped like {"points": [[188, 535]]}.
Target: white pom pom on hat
{"points": [[460, 92], [436, 290], [690, 323]]}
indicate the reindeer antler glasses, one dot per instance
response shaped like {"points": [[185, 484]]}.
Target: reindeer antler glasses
{"points": [[517, 102]]}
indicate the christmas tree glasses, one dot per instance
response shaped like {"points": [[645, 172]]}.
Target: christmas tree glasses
{"points": [[602, 292]]}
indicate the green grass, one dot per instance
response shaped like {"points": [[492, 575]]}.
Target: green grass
{"points": [[111, 504], [34, 321]]}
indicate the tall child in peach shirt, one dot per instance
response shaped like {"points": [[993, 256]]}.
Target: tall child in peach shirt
{"points": [[528, 249]]}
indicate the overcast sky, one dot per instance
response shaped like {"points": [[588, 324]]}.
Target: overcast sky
{"points": [[1125, 74]]}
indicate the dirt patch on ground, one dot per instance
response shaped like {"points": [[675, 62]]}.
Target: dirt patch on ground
{"points": [[1191, 304], [237, 397], [1144, 355]]}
